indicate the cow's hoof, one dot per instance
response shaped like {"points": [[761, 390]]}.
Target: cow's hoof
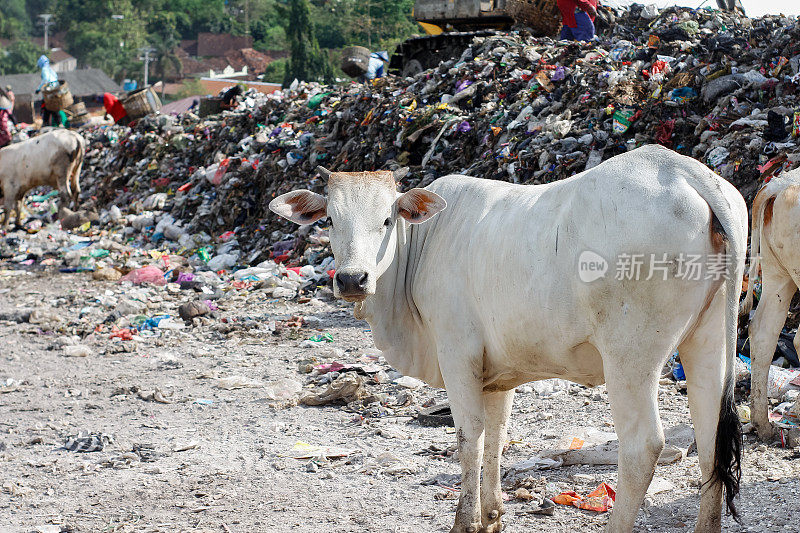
{"points": [[493, 522], [474, 527]]}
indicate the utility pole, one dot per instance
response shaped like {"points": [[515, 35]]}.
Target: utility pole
{"points": [[146, 51], [47, 21]]}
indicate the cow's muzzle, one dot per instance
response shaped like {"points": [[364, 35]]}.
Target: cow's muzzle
{"points": [[352, 285]]}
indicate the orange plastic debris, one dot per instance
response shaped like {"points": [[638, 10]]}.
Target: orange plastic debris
{"points": [[599, 500]]}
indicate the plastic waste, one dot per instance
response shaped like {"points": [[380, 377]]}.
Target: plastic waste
{"points": [[149, 274]]}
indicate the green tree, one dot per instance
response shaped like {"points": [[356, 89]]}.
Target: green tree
{"points": [[307, 62], [197, 15], [376, 24], [275, 71], [100, 41], [267, 26], [20, 58], [164, 38], [34, 8], [14, 21]]}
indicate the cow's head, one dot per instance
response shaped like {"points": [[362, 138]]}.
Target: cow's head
{"points": [[364, 208]]}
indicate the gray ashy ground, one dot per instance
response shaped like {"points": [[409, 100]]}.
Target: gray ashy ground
{"points": [[235, 475]]}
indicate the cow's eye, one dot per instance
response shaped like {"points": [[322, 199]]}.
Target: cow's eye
{"points": [[387, 222]]}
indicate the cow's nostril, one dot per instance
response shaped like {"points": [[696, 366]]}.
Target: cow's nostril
{"points": [[351, 282]]}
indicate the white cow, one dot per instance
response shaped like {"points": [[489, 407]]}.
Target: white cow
{"points": [[53, 158], [487, 296], [773, 246]]}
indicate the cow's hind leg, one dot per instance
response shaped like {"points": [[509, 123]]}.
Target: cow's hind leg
{"points": [[632, 390], [497, 408], [465, 393], [703, 359], [6, 213], [19, 211], [8, 206], [776, 295], [75, 183]]}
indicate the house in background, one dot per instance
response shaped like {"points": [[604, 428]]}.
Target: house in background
{"points": [[217, 56], [214, 55], [86, 85], [62, 61]]}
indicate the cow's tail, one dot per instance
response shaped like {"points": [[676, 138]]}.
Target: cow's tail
{"points": [[731, 225], [760, 205]]}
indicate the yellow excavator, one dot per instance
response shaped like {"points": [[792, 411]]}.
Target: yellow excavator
{"points": [[450, 25]]}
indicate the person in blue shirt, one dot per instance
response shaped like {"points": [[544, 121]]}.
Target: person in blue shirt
{"points": [[49, 79], [376, 65], [49, 76]]}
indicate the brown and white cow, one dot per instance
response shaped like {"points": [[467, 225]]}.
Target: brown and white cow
{"points": [[476, 285], [774, 247], [53, 158]]}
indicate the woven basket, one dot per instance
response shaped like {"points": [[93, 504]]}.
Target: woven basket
{"points": [[355, 61], [542, 16], [141, 103], [78, 114], [78, 108], [210, 105], [58, 97]]}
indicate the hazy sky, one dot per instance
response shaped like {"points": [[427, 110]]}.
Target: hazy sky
{"points": [[753, 8]]}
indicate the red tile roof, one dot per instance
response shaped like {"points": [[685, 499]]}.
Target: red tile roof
{"points": [[218, 44], [59, 55], [255, 61]]}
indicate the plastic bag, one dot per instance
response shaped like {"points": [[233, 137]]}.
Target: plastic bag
{"points": [[599, 500], [148, 274], [283, 389], [779, 380], [221, 170]]}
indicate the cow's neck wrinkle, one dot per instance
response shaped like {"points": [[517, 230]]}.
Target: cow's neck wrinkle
{"points": [[397, 328], [393, 304]]}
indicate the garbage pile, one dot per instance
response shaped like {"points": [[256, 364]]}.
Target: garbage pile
{"points": [[716, 86]]}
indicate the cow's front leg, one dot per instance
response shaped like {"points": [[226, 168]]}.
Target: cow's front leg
{"points": [[497, 408], [463, 381]]}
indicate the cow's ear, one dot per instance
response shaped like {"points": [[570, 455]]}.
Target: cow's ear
{"points": [[301, 207], [418, 205]]}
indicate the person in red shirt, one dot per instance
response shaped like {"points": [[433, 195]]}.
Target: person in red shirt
{"points": [[115, 109], [578, 19], [5, 129]]}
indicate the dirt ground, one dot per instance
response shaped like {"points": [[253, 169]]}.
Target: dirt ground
{"points": [[219, 460]]}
